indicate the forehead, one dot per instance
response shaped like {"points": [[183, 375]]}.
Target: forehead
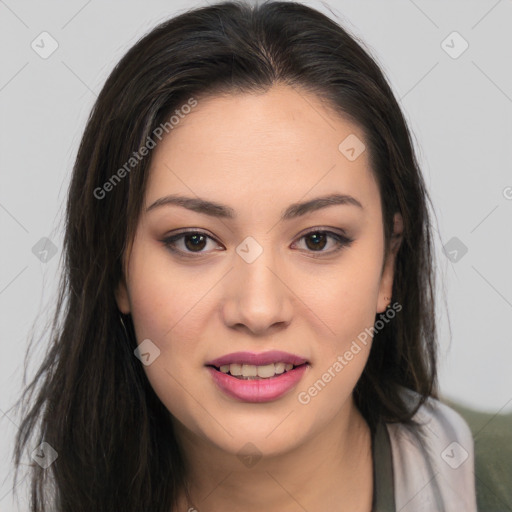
{"points": [[285, 143]]}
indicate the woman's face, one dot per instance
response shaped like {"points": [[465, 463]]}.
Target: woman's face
{"points": [[264, 278]]}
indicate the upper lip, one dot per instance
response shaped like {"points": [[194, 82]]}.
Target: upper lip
{"points": [[261, 359]]}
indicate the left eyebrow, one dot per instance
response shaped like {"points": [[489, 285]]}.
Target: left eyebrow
{"points": [[293, 211]]}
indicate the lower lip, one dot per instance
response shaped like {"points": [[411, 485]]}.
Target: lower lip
{"points": [[258, 390]]}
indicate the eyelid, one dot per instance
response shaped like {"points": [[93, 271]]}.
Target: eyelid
{"points": [[324, 229]]}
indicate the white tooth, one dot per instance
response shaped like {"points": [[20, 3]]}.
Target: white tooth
{"points": [[288, 366], [279, 368], [224, 368], [249, 370], [266, 371], [235, 369]]}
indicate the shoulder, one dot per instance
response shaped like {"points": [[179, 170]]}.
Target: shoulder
{"points": [[439, 426], [441, 422], [433, 459]]}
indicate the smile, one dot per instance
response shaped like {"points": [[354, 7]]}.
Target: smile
{"points": [[256, 389]]}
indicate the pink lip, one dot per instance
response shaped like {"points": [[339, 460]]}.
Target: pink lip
{"points": [[258, 390], [272, 356]]}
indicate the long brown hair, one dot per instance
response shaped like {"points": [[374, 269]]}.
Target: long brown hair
{"points": [[90, 399]]}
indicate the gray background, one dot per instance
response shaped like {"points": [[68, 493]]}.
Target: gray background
{"points": [[459, 110]]}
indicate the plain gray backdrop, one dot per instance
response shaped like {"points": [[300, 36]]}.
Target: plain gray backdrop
{"points": [[448, 63]]}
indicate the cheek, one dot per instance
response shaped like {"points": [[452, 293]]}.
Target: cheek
{"points": [[348, 307], [347, 301], [168, 308], [163, 301], [156, 314], [349, 311]]}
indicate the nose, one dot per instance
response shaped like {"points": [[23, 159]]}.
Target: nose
{"points": [[258, 299]]}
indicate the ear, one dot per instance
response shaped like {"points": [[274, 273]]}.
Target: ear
{"points": [[386, 282], [122, 297]]}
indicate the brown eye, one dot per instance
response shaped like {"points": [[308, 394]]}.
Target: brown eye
{"points": [[316, 241], [195, 241], [191, 242]]}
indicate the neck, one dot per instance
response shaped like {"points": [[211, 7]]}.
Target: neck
{"points": [[332, 470]]}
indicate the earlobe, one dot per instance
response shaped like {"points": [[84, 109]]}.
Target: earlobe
{"points": [[122, 298], [386, 284]]}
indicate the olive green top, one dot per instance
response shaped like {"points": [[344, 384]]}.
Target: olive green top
{"points": [[492, 434]]}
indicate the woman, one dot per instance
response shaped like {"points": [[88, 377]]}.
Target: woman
{"points": [[246, 319]]}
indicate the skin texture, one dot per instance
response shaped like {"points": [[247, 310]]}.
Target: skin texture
{"points": [[258, 154]]}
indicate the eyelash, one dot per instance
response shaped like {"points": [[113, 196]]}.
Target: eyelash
{"points": [[342, 241]]}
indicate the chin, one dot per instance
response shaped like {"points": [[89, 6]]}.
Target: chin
{"points": [[270, 438]]}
